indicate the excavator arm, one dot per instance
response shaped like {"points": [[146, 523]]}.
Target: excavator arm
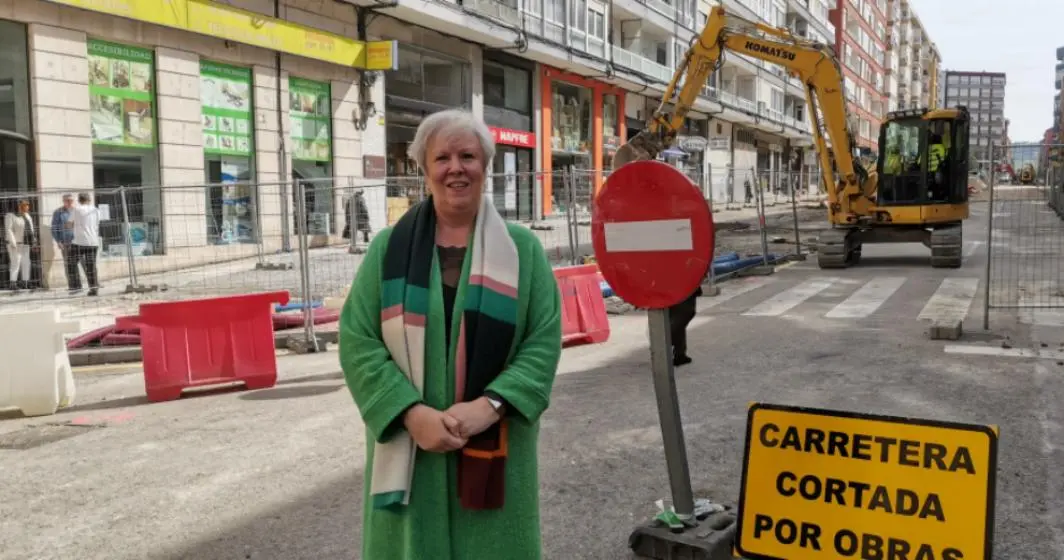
{"points": [[814, 64]]}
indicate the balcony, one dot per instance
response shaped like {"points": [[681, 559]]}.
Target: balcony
{"points": [[661, 16], [494, 9], [800, 9], [641, 65]]}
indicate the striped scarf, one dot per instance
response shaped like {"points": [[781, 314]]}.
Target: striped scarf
{"points": [[485, 334]]}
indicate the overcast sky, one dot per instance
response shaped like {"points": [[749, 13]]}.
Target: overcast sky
{"points": [[1019, 38]]}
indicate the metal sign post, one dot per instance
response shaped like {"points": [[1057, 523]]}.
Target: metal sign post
{"points": [[669, 413], [652, 233]]}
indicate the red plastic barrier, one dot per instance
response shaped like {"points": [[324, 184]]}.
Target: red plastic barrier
{"points": [[198, 342], [584, 319]]}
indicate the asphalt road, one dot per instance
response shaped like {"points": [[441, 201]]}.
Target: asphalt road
{"points": [[276, 473]]}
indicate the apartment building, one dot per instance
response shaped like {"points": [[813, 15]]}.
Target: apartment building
{"points": [[1058, 81], [984, 95], [861, 44], [915, 64], [1053, 153], [580, 77]]}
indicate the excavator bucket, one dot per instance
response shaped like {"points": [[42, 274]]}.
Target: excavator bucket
{"points": [[642, 146]]}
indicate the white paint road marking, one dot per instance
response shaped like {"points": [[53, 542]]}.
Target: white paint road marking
{"points": [[1045, 294], [973, 350], [973, 246], [951, 300], [729, 292], [787, 300], [655, 235], [866, 300]]}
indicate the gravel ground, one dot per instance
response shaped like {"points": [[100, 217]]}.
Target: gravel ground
{"points": [[742, 236]]}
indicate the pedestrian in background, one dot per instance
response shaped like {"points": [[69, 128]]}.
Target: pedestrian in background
{"points": [[681, 315], [449, 341], [86, 242], [361, 217], [21, 237], [63, 234]]}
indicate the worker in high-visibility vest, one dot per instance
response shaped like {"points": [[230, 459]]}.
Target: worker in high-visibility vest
{"points": [[937, 154], [892, 164], [937, 151]]}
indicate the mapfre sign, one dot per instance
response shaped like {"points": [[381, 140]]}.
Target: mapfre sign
{"points": [[512, 137], [821, 484]]}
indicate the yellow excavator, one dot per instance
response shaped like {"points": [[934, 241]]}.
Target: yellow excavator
{"points": [[918, 191]]}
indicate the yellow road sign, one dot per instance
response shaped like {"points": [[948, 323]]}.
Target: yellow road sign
{"points": [[822, 484]]}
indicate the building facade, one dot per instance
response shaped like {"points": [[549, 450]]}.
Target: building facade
{"points": [[983, 93], [206, 118], [861, 45], [1058, 81], [915, 65], [1053, 152], [189, 113]]}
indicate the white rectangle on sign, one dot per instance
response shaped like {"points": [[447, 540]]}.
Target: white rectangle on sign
{"points": [[655, 235]]}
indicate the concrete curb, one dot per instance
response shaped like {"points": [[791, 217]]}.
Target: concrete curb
{"points": [[128, 354]]}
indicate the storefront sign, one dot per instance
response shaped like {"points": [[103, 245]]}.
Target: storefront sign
{"points": [[121, 95], [310, 112], [234, 24], [822, 484], [511, 137], [225, 92], [691, 144]]}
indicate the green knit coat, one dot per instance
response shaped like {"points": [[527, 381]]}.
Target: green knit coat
{"points": [[434, 526]]}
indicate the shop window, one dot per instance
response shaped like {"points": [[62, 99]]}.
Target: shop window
{"points": [[570, 120], [447, 82], [507, 96], [16, 132], [229, 152], [124, 152], [611, 139], [310, 111], [571, 140], [432, 78]]}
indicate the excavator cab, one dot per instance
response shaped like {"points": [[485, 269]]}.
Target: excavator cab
{"points": [[924, 158]]}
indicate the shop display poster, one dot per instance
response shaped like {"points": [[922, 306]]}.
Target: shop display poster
{"points": [[310, 113], [225, 93], [121, 95]]}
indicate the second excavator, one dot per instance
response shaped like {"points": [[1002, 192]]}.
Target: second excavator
{"points": [[1027, 174], [918, 191]]}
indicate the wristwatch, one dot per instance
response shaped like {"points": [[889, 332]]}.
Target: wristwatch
{"points": [[496, 404]]}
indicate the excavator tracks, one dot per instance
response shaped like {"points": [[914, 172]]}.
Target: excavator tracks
{"points": [[835, 249], [946, 246]]}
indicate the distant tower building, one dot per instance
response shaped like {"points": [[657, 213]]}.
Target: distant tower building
{"points": [[983, 93]]}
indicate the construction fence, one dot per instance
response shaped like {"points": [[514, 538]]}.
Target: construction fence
{"points": [[307, 236], [1025, 237]]}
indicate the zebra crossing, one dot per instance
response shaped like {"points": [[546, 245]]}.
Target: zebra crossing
{"points": [[840, 298]]}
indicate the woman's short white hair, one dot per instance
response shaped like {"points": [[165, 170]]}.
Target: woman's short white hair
{"points": [[447, 123]]}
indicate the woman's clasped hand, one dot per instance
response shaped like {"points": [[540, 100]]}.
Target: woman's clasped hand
{"points": [[444, 431]]}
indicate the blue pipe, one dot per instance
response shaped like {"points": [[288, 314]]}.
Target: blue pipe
{"points": [[296, 305], [738, 264], [727, 257]]}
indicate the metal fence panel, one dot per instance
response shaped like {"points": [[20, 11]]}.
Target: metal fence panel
{"points": [[168, 243], [1025, 237]]}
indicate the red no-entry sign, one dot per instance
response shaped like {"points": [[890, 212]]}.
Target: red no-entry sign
{"points": [[653, 234]]}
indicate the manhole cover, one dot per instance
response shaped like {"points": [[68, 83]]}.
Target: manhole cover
{"points": [[36, 436]]}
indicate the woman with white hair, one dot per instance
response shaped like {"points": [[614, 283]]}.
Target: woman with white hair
{"points": [[449, 341]]}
